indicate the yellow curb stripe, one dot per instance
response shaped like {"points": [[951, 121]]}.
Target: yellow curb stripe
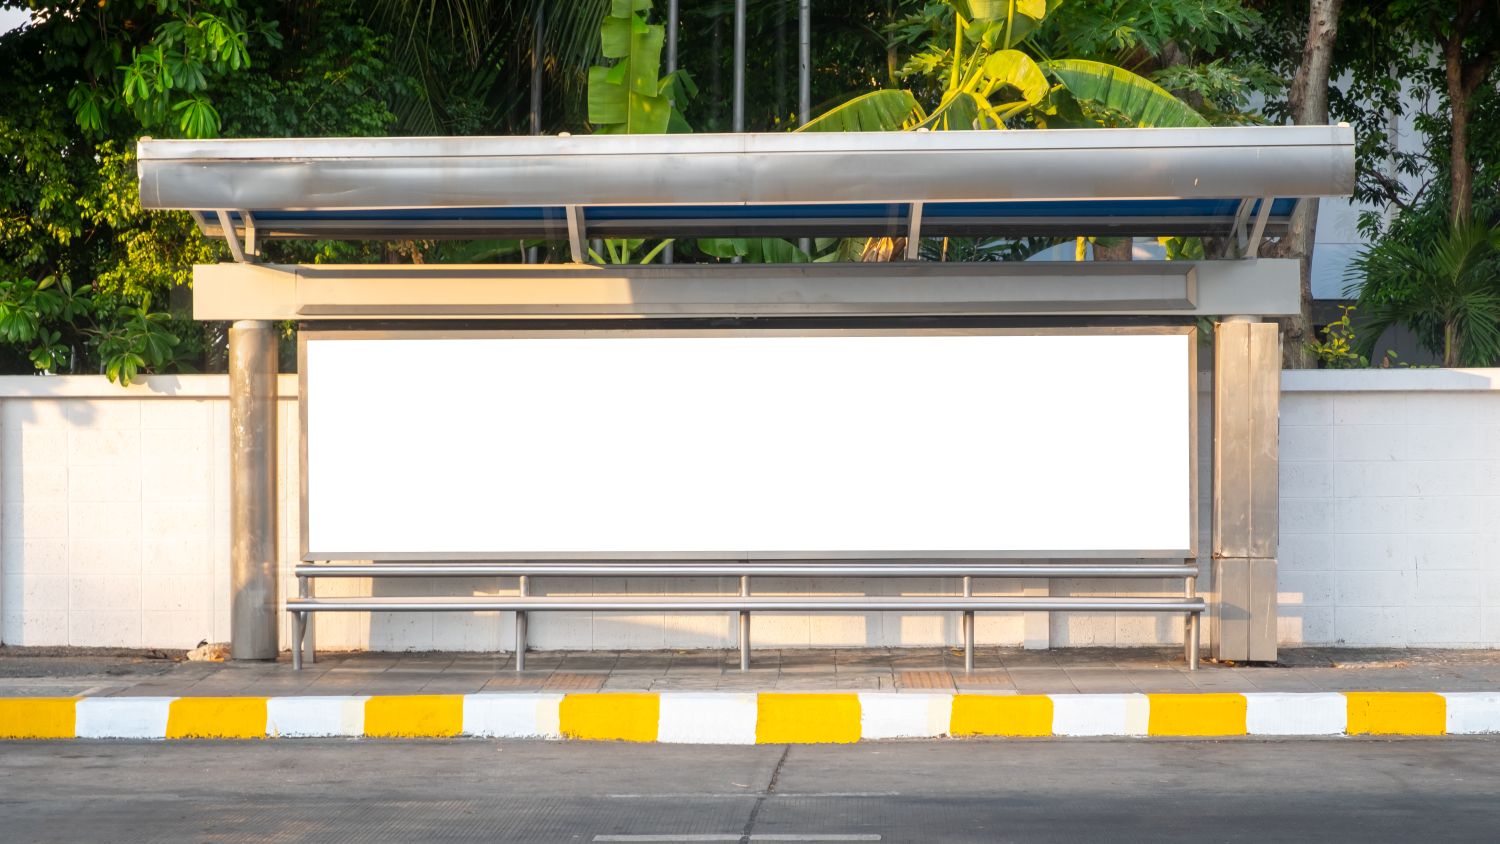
{"points": [[38, 717], [1397, 714], [807, 719], [414, 716], [1001, 715], [1197, 714], [217, 718], [610, 717]]}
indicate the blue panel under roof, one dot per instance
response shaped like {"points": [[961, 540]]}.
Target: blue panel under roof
{"points": [[1000, 218], [1090, 208], [880, 211], [415, 215]]}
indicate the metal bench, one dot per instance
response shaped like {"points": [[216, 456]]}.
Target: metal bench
{"points": [[745, 603]]}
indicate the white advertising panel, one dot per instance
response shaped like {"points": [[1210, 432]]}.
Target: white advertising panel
{"points": [[745, 445]]}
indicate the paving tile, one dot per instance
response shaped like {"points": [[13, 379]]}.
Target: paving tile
{"points": [[572, 682], [987, 680], [926, 680], [1042, 680], [513, 683]]}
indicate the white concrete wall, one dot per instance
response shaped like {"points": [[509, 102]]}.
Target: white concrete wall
{"points": [[1390, 507], [115, 533], [114, 510]]}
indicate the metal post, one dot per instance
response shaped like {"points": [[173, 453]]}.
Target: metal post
{"points": [[538, 31], [968, 627], [668, 254], [804, 81], [299, 626], [1190, 590], [253, 533], [306, 644], [739, 65], [804, 61], [521, 626], [744, 625], [538, 75]]}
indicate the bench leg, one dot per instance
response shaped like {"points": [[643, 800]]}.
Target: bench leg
{"points": [[299, 626], [1192, 642], [307, 640], [968, 628], [744, 625], [524, 587], [969, 642], [1190, 639], [520, 641]]}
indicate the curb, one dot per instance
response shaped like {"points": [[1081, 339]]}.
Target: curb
{"points": [[751, 718]]}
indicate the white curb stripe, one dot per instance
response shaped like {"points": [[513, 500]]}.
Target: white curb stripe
{"points": [[500, 715], [122, 717], [707, 718], [315, 716], [1471, 713], [1100, 715], [886, 715], [1296, 714]]}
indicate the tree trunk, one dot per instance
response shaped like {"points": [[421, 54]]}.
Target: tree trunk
{"points": [[1115, 249], [1463, 80], [1308, 101]]}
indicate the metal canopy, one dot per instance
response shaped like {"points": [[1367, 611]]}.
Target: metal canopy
{"points": [[1044, 182]]}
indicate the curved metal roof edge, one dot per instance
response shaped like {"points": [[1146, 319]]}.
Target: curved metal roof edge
{"points": [[303, 149]]}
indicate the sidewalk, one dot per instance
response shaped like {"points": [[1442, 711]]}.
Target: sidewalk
{"points": [[789, 696], [72, 672]]}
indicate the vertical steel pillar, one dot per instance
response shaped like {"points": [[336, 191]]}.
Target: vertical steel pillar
{"points": [[538, 32], [668, 253], [1247, 393], [739, 65], [804, 61], [253, 522], [538, 76], [804, 80]]}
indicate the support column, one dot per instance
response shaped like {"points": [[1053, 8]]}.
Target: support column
{"points": [[1246, 494], [253, 534]]}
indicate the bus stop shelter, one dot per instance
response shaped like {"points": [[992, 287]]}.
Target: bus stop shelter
{"points": [[1049, 368]]}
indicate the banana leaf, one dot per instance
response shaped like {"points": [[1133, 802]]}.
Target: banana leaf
{"points": [[1144, 102]]}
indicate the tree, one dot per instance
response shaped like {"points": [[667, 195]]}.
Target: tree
{"points": [[84, 272], [1469, 38], [1447, 293], [990, 83], [472, 62], [985, 81], [1307, 103]]}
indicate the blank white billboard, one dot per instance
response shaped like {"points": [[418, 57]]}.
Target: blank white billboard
{"points": [[747, 444]]}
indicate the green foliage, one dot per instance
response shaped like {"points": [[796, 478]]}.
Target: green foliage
{"points": [[756, 250], [82, 83], [983, 81], [1337, 349], [630, 96], [1189, 47], [1141, 101], [1446, 292], [872, 112], [158, 65]]}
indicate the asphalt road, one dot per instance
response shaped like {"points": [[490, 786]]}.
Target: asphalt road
{"points": [[1115, 791]]}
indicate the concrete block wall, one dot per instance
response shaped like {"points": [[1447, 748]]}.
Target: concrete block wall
{"points": [[114, 510], [1390, 508], [114, 519]]}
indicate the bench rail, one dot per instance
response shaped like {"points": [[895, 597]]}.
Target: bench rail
{"points": [[524, 603]]}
